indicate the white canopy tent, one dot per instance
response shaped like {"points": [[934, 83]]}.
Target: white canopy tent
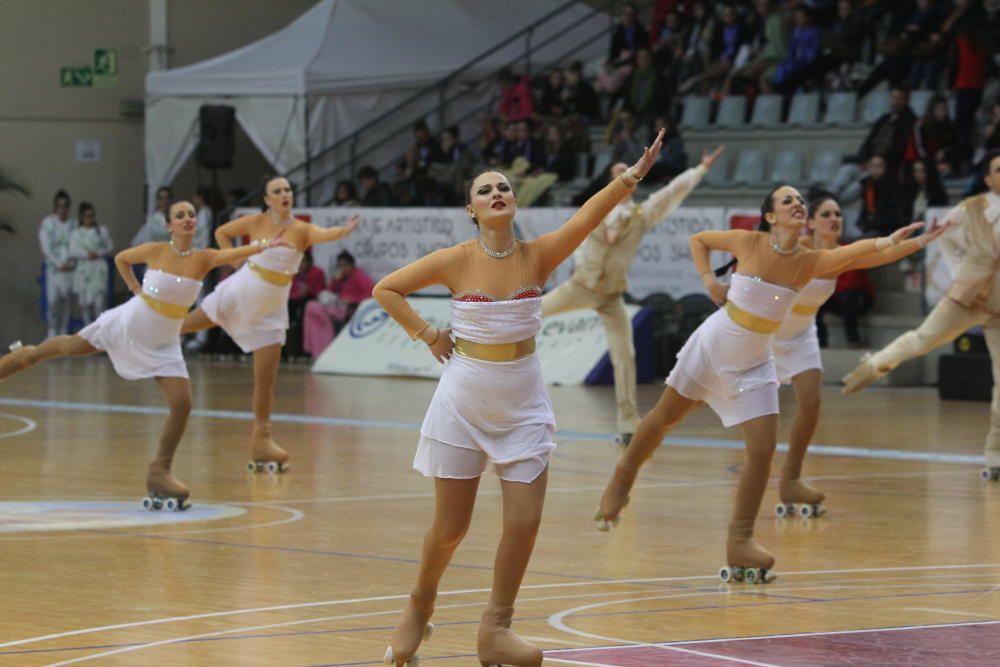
{"points": [[341, 64]]}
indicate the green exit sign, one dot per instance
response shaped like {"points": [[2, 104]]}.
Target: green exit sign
{"points": [[76, 77], [105, 67]]}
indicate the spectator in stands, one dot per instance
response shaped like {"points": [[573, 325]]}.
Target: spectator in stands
{"points": [[662, 11], [841, 45], [525, 145], [552, 103], [922, 189], [306, 286], [580, 97], [697, 43], [503, 149], [373, 191], [672, 159], [802, 51], [926, 45], [454, 165], [207, 202], [882, 208], [726, 41], [628, 37], [557, 157], [89, 247], [991, 136], [623, 138], [154, 229], [892, 44], [937, 139], [854, 296], [334, 307], [668, 47], [516, 101], [645, 91], [767, 48], [424, 150], [971, 52], [892, 134], [346, 194]]}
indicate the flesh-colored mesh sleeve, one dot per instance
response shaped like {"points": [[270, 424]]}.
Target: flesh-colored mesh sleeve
{"points": [[434, 269]]}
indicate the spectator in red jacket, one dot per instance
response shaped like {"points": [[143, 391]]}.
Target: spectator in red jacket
{"points": [[306, 286], [335, 306], [516, 101]]}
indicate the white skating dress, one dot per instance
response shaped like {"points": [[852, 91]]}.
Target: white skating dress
{"points": [[143, 335], [796, 345], [486, 415], [727, 362], [252, 304]]}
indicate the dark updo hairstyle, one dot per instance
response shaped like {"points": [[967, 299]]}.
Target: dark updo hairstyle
{"points": [[61, 194], [84, 207], [265, 182], [468, 190], [762, 226]]}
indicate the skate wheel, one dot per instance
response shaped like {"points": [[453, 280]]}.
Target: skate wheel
{"points": [[807, 511], [147, 503], [726, 575], [781, 510], [251, 466], [750, 576], [272, 467], [171, 505], [990, 474]]}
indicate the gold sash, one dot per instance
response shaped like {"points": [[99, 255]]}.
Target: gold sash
{"points": [[273, 277], [171, 310], [750, 321], [495, 352], [803, 309]]}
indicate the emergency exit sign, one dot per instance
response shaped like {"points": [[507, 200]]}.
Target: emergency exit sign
{"points": [[76, 77]]}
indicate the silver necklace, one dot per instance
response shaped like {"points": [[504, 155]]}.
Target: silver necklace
{"points": [[274, 219], [182, 253], [498, 254], [781, 251]]}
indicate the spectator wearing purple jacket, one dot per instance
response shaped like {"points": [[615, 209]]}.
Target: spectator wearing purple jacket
{"points": [[802, 48]]}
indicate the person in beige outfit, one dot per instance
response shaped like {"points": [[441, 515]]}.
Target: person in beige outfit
{"points": [[601, 277], [973, 299]]}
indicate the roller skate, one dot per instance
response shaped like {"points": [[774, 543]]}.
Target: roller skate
{"points": [[862, 376], [990, 474], [800, 498], [16, 360], [622, 440], [748, 561], [498, 645], [413, 629], [163, 490], [266, 455], [614, 500]]}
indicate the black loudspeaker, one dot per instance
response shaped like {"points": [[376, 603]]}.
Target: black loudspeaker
{"points": [[965, 377], [217, 138]]}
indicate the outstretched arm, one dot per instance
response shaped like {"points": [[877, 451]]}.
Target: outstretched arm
{"points": [[556, 246], [124, 260], [832, 261], [662, 202], [897, 252], [219, 257], [325, 234]]}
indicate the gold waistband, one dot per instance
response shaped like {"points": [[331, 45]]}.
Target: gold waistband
{"points": [[803, 309], [171, 310], [751, 321], [273, 277], [495, 352]]}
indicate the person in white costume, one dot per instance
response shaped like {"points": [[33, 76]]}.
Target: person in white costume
{"points": [[797, 353], [972, 251], [154, 228], [54, 238], [491, 409], [600, 277], [252, 304], [727, 362], [142, 336], [89, 247]]}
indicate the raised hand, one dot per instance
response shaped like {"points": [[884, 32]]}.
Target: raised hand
{"points": [[352, 224], [649, 155], [936, 231], [708, 159], [904, 233]]}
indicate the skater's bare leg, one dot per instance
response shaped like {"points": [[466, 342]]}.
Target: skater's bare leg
{"points": [[160, 479], [454, 500], [196, 320], [265, 375], [761, 435], [992, 451], [53, 348], [669, 411], [808, 387], [522, 514]]}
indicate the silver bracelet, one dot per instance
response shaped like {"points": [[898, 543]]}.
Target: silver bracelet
{"points": [[630, 178]]}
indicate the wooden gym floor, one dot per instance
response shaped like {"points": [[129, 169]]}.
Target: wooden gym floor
{"points": [[312, 567]]}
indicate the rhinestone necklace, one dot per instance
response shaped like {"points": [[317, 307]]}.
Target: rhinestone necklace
{"points": [[498, 254], [182, 253], [781, 251], [274, 219]]}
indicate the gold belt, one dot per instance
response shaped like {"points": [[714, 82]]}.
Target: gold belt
{"points": [[751, 321], [495, 352], [171, 310], [803, 309], [273, 277]]}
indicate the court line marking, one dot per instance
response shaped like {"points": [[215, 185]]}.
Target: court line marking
{"points": [[29, 425], [383, 598], [950, 612], [682, 593], [706, 443]]}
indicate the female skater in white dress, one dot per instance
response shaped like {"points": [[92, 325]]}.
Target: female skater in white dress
{"points": [[142, 336], [491, 409], [728, 364], [796, 347], [252, 304]]}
